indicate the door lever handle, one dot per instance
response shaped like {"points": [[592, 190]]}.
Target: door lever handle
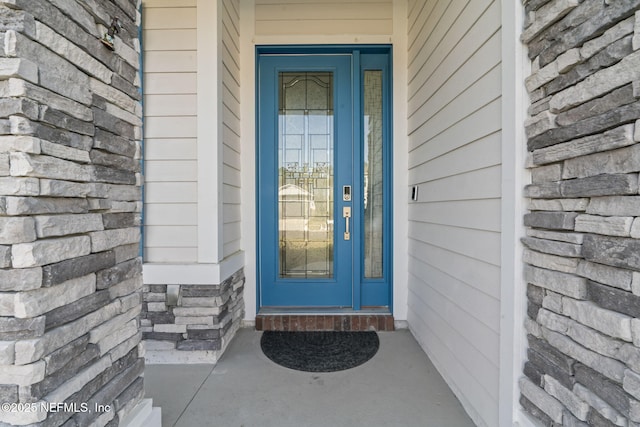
{"points": [[346, 213]]}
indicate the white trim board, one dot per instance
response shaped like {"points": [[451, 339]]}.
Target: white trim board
{"points": [[209, 128], [192, 274], [515, 66]]}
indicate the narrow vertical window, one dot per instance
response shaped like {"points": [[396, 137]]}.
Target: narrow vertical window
{"points": [[373, 174]]}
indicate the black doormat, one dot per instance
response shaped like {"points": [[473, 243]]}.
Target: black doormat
{"points": [[319, 351]]}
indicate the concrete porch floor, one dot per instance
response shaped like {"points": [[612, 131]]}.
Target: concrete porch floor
{"points": [[398, 387]]}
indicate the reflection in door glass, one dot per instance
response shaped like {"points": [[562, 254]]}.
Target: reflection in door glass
{"points": [[373, 181], [305, 175]]}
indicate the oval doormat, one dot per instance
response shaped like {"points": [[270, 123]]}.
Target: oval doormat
{"points": [[327, 351]]}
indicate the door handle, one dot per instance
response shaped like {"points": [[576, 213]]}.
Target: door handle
{"points": [[346, 213]]}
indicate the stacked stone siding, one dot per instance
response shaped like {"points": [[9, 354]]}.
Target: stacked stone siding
{"points": [[582, 249], [191, 323], [70, 201]]}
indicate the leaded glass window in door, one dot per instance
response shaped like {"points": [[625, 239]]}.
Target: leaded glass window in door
{"points": [[305, 175]]}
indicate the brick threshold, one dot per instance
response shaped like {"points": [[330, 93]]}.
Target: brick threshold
{"points": [[324, 322]]}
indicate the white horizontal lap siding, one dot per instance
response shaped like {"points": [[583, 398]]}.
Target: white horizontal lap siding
{"points": [[170, 216], [454, 126], [332, 17], [231, 132]]}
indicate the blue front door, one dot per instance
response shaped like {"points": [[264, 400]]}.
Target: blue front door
{"points": [[312, 206]]}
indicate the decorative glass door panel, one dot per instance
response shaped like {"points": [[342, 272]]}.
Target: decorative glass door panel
{"points": [[305, 155], [305, 175]]}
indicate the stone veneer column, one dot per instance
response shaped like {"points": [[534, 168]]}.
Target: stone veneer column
{"points": [[583, 229], [70, 202]]}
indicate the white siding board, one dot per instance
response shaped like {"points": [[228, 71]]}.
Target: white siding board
{"points": [[438, 339], [483, 122], [231, 88], [479, 366], [325, 3], [171, 170], [230, 44], [231, 141], [231, 176], [475, 273], [170, 105], [478, 244], [232, 231], [427, 101], [328, 27], [231, 128], [231, 120], [454, 126], [170, 127], [436, 72], [181, 39], [170, 149], [323, 11], [481, 72], [232, 237], [170, 61], [170, 214], [468, 186], [235, 6], [483, 214], [231, 36], [170, 83], [163, 236], [471, 99], [231, 155], [170, 255], [168, 3], [231, 64], [231, 194], [169, 18], [171, 192], [287, 17], [437, 36], [232, 111], [232, 158], [425, 24], [232, 11], [460, 302], [455, 32], [170, 43], [476, 155], [455, 92], [231, 247], [230, 81], [231, 91], [231, 213], [418, 12]]}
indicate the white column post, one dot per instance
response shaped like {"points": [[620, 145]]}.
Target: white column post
{"points": [[209, 131]]}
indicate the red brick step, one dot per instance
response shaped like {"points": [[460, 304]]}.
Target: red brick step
{"points": [[324, 322]]}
